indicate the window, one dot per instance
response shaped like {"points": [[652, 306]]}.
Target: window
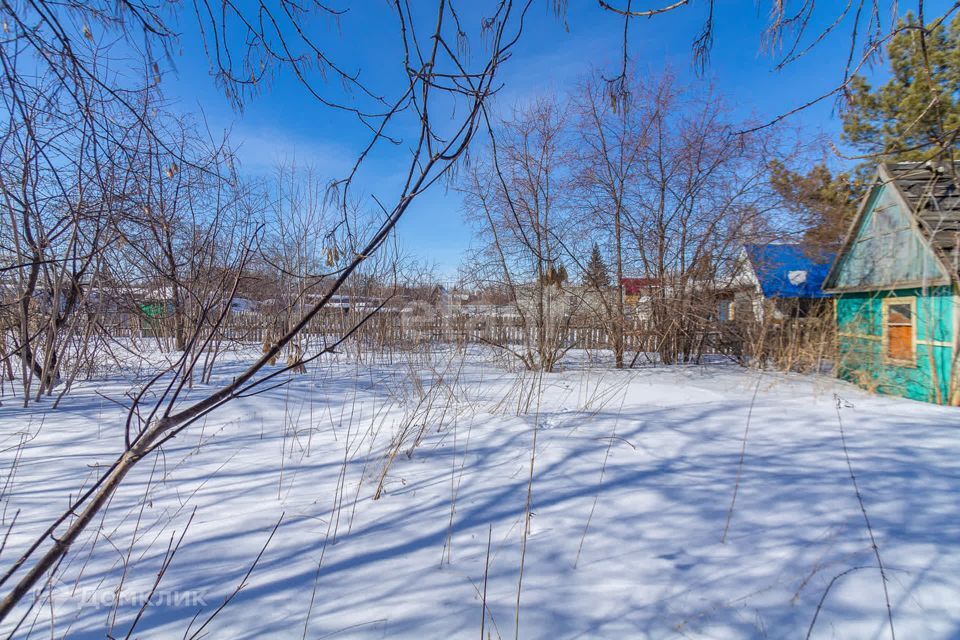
{"points": [[725, 312], [899, 317]]}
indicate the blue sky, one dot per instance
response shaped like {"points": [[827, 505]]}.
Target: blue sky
{"points": [[285, 122]]}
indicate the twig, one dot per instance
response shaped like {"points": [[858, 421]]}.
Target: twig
{"points": [[486, 573], [866, 519], [743, 451], [240, 586]]}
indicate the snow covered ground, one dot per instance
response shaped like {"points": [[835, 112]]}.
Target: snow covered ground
{"points": [[633, 477]]}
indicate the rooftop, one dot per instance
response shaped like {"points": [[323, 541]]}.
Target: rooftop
{"points": [[787, 271], [933, 194]]}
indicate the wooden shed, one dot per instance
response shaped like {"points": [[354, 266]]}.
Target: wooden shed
{"points": [[895, 284]]}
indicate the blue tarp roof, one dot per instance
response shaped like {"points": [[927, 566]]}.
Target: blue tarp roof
{"points": [[773, 264]]}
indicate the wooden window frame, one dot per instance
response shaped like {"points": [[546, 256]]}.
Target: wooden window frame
{"points": [[885, 330]]}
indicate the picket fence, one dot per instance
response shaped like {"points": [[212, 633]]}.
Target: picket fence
{"points": [[391, 329]]}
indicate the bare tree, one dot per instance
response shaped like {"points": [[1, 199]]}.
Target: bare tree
{"points": [[517, 193], [301, 247], [611, 137], [186, 220], [697, 194], [435, 78], [74, 130], [793, 30], [63, 186]]}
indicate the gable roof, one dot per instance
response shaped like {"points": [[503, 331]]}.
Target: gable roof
{"points": [[933, 196], [929, 194], [774, 264]]}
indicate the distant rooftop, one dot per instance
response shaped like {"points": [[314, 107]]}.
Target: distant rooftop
{"points": [[638, 286], [786, 271]]}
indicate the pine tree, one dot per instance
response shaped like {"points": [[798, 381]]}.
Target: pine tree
{"points": [[823, 203], [916, 114], [596, 275]]}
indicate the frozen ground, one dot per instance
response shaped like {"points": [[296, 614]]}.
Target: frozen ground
{"points": [[632, 484]]}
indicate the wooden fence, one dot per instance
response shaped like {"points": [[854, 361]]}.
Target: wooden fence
{"points": [[393, 329]]}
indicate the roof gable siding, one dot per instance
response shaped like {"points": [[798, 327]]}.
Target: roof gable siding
{"points": [[886, 251]]}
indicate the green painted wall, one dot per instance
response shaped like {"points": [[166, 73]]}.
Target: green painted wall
{"points": [[861, 345], [154, 309]]}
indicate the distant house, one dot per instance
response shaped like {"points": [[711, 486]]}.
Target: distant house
{"points": [[775, 280], [895, 282], [636, 288], [637, 295], [242, 305]]}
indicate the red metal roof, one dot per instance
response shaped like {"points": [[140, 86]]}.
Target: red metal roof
{"points": [[636, 286]]}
